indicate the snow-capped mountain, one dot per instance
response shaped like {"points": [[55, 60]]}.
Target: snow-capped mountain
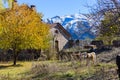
{"points": [[78, 25]]}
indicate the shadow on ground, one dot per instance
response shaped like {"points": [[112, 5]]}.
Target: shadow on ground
{"points": [[7, 66]]}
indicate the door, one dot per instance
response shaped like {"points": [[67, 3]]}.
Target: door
{"points": [[56, 46]]}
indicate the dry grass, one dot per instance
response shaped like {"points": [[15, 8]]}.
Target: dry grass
{"points": [[55, 70], [62, 70], [72, 70]]}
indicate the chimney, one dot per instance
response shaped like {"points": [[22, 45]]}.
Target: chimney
{"points": [[33, 7], [14, 3]]}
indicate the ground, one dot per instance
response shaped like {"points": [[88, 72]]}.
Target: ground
{"points": [[105, 69]]}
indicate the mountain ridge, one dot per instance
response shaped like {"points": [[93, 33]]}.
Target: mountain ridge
{"points": [[78, 25]]}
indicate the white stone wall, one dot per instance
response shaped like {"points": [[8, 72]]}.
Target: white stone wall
{"points": [[62, 41]]}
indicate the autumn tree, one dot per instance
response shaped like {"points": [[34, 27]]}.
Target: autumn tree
{"points": [[21, 28]]}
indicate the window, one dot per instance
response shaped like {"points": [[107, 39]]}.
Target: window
{"points": [[56, 31]]}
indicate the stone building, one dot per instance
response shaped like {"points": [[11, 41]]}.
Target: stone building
{"points": [[60, 37]]}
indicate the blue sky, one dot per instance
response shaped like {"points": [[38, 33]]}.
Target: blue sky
{"points": [[51, 8]]}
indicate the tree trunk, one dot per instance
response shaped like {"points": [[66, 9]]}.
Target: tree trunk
{"points": [[14, 59], [15, 54]]}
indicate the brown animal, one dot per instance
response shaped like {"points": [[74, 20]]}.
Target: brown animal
{"points": [[90, 57]]}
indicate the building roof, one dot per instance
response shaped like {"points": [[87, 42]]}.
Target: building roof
{"points": [[61, 29]]}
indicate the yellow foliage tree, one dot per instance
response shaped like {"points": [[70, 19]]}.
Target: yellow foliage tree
{"points": [[21, 28]]}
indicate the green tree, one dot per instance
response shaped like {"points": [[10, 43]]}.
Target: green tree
{"points": [[106, 16], [21, 28], [108, 30]]}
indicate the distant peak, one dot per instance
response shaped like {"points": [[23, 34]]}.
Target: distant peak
{"points": [[78, 25]]}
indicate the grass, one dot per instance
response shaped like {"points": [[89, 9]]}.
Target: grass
{"points": [[50, 70], [62, 70], [7, 70]]}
